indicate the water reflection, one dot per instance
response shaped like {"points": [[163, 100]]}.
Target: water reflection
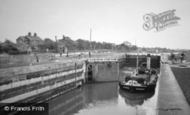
{"points": [[134, 99], [66, 104], [101, 98], [89, 96]]}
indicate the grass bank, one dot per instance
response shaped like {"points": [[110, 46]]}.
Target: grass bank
{"points": [[183, 77]]}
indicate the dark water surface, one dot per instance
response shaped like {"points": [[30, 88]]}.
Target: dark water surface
{"points": [[103, 99]]}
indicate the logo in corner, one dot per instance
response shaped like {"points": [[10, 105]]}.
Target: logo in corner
{"points": [[160, 21]]}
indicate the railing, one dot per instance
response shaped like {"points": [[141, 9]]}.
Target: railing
{"points": [[103, 60], [152, 54]]}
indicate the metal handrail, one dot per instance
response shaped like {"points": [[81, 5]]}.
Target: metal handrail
{"points": [[102, 59]]}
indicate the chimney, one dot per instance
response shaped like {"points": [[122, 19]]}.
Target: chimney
{"points": [[35, 35], [29, 33], [63, 37]]}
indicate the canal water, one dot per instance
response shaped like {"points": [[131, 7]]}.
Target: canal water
{"points": [[103, 99]]}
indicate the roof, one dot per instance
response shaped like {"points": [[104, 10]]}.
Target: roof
{"points": [[20, 37], [34, 38], [61, 44], [30, 38]]}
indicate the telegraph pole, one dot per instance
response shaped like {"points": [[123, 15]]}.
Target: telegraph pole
{"points": [[90, 42], [137, 63], [56, 44], [90, 38], [90, 34]]}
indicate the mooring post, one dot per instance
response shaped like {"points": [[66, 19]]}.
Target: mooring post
{"points": [[117, 64], [96, 76], [148, 61], [84, 71], [75, 74]]}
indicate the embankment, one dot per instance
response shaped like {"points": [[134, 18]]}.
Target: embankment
{"points": [[20, 60], [183, 79]]}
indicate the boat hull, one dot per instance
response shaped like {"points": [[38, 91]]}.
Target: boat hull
{"points": [[130, 88]]}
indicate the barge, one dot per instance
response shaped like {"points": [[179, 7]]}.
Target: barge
{"points": [[143, 78]]}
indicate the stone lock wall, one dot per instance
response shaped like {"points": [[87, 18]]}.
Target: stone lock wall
{"points": [[105, 71], [40, 81], [131, 60]]}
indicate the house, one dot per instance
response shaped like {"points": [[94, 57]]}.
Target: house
{"points": [[24, 47], [29, 41], [61, 47]]}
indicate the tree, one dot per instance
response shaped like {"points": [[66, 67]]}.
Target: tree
{"points": [[47, 44], [80, 44], [50, 44], [129, 44], [8, 46], [69, 43], [83, 44], [8, 41]]}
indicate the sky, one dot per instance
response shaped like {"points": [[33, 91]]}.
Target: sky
{"points": [[113, 21]]}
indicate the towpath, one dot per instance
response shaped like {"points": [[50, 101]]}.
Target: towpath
{"points": [[171, 100]]}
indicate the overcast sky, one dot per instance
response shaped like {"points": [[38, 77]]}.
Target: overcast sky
{"points": [[112, 21]]}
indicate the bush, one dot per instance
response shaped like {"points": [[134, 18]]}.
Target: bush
{"points": [[12, 52]]}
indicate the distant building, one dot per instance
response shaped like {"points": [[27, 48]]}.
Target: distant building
{"points": [[28, 42], [62, 47]]}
